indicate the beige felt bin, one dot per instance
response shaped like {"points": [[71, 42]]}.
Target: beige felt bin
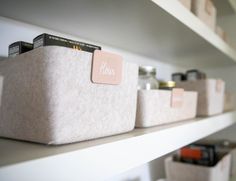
{"points": [[205, 11], [210, 95], [154, 108], [177, 171], [47, 97], [186, 3], [229, 101]]}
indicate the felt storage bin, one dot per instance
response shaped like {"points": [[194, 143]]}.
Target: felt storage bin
{"points": [[229, 101], [157, 107], [178, 171], [222, 147], [210, 95], [221, 33], [48, 97], [205, 11], [186, 3]]}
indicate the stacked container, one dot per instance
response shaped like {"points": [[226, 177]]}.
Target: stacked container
{"points": [[210, 95]]}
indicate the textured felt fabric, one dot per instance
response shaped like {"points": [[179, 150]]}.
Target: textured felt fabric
{"points": [[210, 102], [178, 171], [47, 96], [154, 108]]}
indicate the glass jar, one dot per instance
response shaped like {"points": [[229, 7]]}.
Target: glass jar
{"points": [[147, 78]]}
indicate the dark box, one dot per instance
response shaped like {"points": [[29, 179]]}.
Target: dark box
{"points": [[19, 48], [177, 77], [51, 40]]}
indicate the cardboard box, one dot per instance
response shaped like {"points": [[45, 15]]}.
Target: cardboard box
{"points": [[18, 48], [52, 40]]}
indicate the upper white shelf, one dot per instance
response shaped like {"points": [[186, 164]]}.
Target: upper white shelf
{"points": [[225, 8], [159, 29], [102, 158]]}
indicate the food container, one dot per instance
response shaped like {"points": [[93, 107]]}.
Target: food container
{"points": [[186, 3], [168, 85], [210, 95], [205, 11], [178, 171], [49, 96], [147, 78], [19, 48], [195, 74], [157, 107]]}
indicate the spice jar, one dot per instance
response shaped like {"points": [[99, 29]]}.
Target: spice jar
{"points": [[168, 85], [195, 74], [147, 78], [178, 77]]}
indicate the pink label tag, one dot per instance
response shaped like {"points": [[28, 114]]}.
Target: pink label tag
{"points": [[106, 68], [177, 98], [209, 7], [219, 85]]}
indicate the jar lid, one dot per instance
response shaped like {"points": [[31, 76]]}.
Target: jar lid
{"points": [[143, 70], [169, 84]]}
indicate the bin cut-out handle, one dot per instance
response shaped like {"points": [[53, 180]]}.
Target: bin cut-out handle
{"points": [[177, 98], [107, 68]]}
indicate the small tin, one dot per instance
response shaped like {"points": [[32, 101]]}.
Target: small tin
{"points": [[168, 85]]}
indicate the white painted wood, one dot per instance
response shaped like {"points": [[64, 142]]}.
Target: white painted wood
{"points": [[103, 158], [233, 178], [191, 21], [225, 7], [160, 29]]}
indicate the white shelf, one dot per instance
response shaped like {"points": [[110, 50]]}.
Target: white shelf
{"points": [[225, 8], [160, 29], [102, 158]]}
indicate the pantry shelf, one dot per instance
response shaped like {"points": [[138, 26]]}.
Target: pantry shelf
{"points": [[103, 158], [225, 8], [163, 30]]}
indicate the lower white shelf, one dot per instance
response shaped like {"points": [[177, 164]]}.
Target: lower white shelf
{"points": [[102, 158]]}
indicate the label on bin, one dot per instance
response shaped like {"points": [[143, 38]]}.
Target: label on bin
{"points": [[177, 98], [209, 7], [219, 85], [106, 68]]}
